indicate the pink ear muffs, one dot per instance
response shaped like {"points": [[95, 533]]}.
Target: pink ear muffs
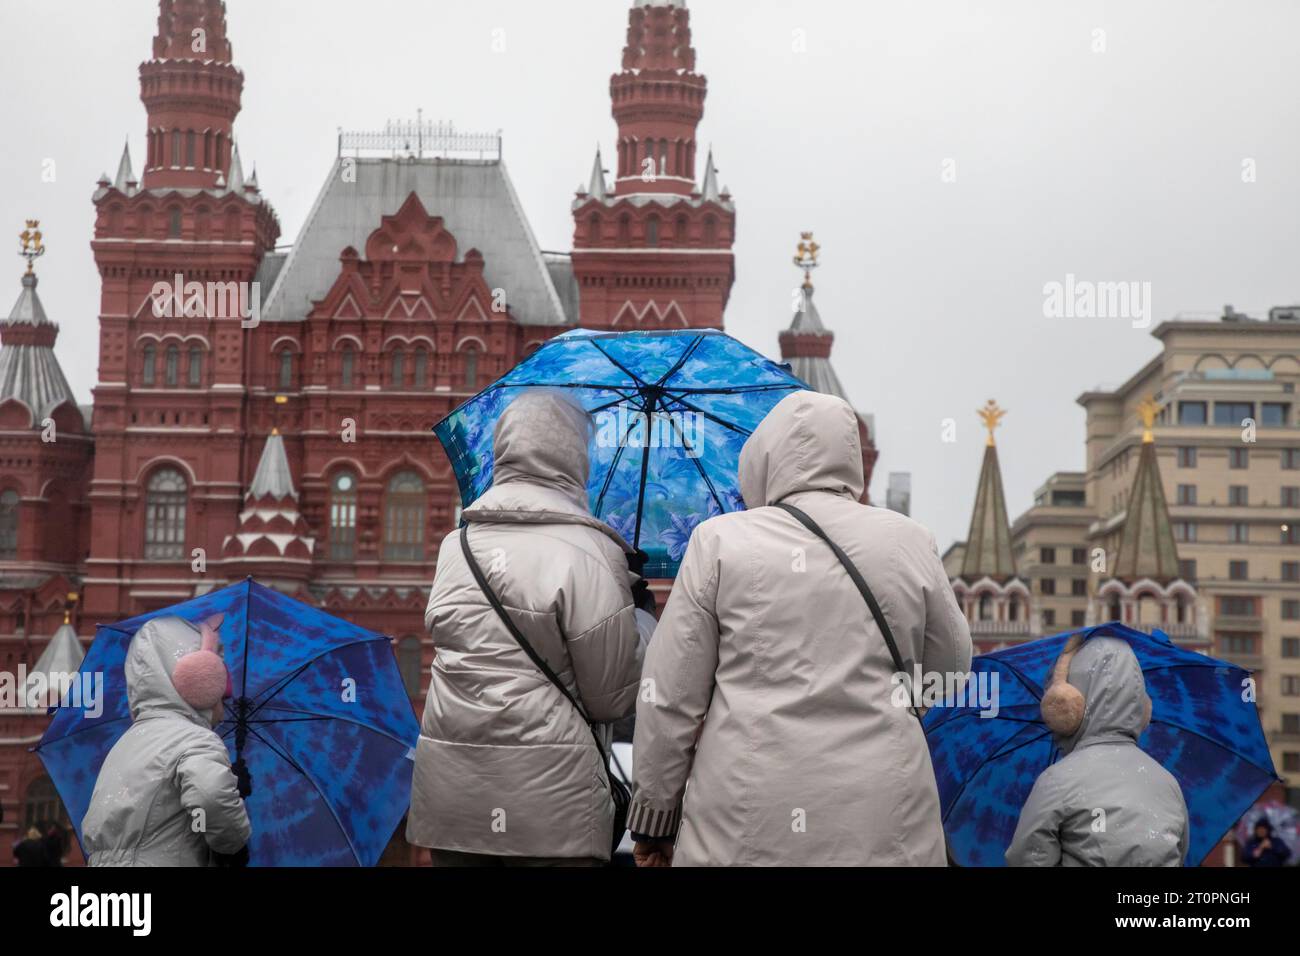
{"points": [[201, 677], [1063, 704]]}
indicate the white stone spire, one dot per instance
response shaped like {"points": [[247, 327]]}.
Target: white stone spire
{"points": [[126, 180], [709, 191], [597, 188]]}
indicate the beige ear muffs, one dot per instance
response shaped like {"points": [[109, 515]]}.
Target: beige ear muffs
{"points": [[1062, 705]]}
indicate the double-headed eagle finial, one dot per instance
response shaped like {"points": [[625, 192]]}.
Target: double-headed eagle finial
{"points": [[1147, 410], [32, 248], [992, 416], [806, 257]]}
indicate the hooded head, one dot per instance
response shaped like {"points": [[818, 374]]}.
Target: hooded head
{"points": [[542, 438], [173, 667], [807, 442], [1096, 692]]}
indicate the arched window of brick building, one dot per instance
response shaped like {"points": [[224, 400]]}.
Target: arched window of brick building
{"points": [[710, 229], [164, 517], [343, 516], [421, 369], [286, 368], [172, 367], [652, 231], [593, 230], [409, 664], [399, 368], [176, 148], [195, 370], [9, 502], [404, 518], [148, 360], [624, 228], [471, 366], [189, 148], [174, 222], [347, 359]]}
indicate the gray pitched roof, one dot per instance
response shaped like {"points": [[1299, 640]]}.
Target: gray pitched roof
{"points": [[813, 369], [560, 266], [806, 317], [63, 655], [272, 476], [28, 308], [31, 373], [476, 202]]}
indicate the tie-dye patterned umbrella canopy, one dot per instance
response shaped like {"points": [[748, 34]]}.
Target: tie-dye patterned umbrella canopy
{"points": [[1204, 730], [671, 411], [320, 716]]}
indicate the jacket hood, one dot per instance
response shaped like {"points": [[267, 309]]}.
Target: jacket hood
{"points": [[807, 442], [150, 662], [1116, 705], [540, 465]]}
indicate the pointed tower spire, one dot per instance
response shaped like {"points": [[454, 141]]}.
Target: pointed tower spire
{"points": [[273, 477], [988, 545], [125, 181], [236, 181], [709, 189], [29, 370], [192, 92], [806, 348], [1146, 546], [272, 540], [597, 188]]}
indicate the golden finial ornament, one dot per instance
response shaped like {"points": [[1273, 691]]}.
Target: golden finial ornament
{"points": [[992, 417], [806, 257], [67, 608], [32, 248], [1147, 410]]}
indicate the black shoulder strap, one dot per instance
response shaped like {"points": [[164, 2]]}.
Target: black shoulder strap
{"points": [[518, 635], [863, 588]]}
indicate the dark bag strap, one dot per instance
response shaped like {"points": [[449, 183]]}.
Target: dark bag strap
{"points": [[528, 648], [863, 588]]}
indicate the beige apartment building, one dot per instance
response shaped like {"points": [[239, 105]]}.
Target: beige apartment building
{"points": [[1050, 543], [1208, 550], [1227, 439]]}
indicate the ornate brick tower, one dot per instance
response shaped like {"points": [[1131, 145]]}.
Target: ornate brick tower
{"points": [[655, 250], [191, 91], [178, 253]]}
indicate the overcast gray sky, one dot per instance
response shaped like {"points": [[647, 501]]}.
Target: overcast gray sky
{"points": [[1124, 164]]}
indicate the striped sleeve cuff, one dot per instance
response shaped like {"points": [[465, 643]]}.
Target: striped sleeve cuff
{"points": [[645, 820]]}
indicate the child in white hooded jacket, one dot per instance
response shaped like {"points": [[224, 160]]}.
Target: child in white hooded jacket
{"points": [[166, 794]]}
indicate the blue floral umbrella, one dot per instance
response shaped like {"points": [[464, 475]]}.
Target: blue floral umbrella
{"points": [[320, 716], [1204, 730], [671, 409]]}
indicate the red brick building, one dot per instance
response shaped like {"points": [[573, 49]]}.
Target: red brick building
{"points": [[266, 410]]}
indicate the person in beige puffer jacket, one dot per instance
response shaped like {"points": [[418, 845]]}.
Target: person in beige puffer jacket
{"points": [[506, 771], [766, 729]]}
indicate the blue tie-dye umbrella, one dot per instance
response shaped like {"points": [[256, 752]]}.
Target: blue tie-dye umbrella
{"points": [[671, 409], [320, 716], [1204, 730]]}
